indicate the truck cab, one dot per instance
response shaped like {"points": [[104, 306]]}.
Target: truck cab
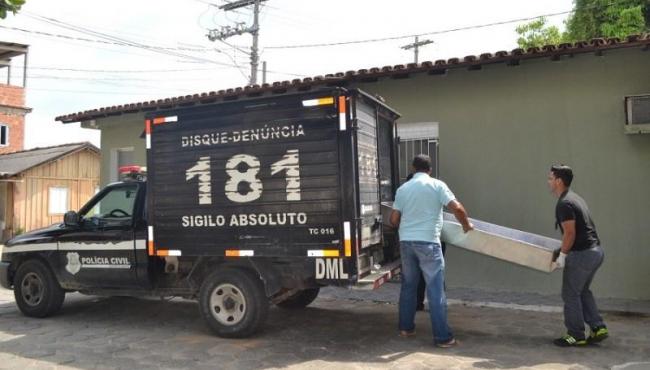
{"points": [[92, 244]]}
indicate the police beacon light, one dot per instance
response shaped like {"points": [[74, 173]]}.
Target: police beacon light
{"points": [[132, 172]]}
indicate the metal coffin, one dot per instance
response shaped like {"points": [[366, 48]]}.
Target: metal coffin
{"points": [[519, 247]]}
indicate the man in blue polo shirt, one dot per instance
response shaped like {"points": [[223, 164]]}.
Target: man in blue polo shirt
{"points": [[418, 213]]}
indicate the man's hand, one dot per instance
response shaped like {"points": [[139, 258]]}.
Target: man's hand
{"points": [[461, 215], [561, 260]]}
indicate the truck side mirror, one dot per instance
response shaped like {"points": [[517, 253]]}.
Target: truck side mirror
{"points": [[71, 218]]}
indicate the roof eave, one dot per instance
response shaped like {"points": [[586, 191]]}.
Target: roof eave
{"points": [[555, 52]]}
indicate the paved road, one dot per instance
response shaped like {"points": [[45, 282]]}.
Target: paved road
{"points": [[334, 333]]}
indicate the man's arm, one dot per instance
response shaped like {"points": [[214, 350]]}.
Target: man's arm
{"points": [[568, 236], [461, 215], [395, 217]]}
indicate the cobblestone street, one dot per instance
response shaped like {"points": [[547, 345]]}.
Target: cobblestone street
{"points": [[335, 332]]}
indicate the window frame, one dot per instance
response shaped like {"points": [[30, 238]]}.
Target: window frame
{"points": [[107, 222], [411, 152], [114, 173], [50, 197], [5, 127]]}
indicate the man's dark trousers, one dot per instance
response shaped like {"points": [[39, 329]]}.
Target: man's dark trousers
{"points": [[579, 303]]}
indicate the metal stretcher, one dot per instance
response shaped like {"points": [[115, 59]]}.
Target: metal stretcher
{"points": [[526, 249], [519, 247]]}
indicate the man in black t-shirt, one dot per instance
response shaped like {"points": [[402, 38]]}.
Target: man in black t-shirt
{"points": [[581, 256]]}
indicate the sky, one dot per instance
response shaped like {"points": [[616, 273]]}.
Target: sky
{"points": [[90, 54]]}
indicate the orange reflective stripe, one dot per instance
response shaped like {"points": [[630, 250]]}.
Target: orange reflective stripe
{"points": [[240, 253], [348, 247], [341, 104]]}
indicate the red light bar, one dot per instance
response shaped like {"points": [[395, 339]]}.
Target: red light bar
{"points": [[129, 169]]}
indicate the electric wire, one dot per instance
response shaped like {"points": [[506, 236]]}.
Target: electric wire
{"points": [[440, 32]]}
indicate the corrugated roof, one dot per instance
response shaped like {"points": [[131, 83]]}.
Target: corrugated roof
{"points": [[9, 50], [554, 52], [14, 163]]}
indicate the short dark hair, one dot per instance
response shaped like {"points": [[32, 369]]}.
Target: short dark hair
{"points": [[564, 173], [422, 163]]}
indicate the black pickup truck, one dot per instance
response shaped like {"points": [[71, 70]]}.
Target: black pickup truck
{"points": [[245, 203]]}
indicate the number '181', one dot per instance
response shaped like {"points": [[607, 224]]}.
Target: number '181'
{"points": [[289, 164]]}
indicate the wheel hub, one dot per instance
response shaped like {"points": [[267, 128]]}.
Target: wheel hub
{"points": [[32, 289], [228, 304]]}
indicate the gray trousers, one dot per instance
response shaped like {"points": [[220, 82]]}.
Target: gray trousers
{"points": [[579, 303]]}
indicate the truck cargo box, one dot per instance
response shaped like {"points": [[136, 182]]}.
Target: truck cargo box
{"points": [[288, 175]]}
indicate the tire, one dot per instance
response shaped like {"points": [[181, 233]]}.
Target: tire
{"points": [[299, 300], [36, 290], [233, 303]]}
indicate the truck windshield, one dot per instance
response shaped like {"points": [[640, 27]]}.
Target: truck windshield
{"points": [[117, 204]]}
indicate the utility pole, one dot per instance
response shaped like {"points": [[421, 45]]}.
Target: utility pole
{"points": [[416, 47], [255, 32], [263, 72], [240, 29]]}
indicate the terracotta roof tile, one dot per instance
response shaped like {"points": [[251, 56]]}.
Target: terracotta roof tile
{"points": [[597, 45], [598, 42], [633, 38]]}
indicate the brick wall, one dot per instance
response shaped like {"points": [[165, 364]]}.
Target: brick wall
{"points": [[13, 96]]}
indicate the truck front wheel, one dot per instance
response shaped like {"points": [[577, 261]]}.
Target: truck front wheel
{"points": [[301, 299], [233, 303], [36, 290]]}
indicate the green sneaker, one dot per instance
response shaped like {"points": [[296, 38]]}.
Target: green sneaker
{"points": [[598, 334], [569, 341]]}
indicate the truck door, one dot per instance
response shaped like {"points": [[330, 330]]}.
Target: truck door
{"points": [[100, 252], [377, 171], [369, 191]]}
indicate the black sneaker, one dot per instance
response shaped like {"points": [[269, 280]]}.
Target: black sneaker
{"points": [[569, 341], [598, 334]]}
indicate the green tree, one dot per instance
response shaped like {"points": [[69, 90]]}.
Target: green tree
{"points": [[10, 6], [536, 33], [607, 18]]}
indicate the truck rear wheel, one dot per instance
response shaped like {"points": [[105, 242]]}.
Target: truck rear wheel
{"points": [[36, 290], [233, 303], [301, 299]]}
